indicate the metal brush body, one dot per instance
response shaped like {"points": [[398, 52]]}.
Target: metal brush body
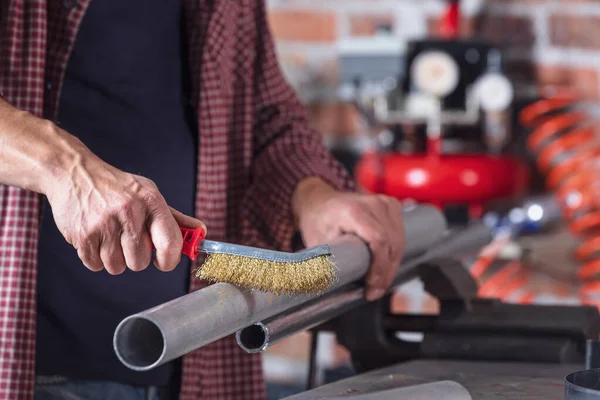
{"points": [[213, 247], [308, 271]]}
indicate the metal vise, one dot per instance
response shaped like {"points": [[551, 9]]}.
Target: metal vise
{"points": [[467, 327]]}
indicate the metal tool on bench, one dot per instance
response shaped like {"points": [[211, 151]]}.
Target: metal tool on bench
{"points": [[151, 338], [585, 384]]}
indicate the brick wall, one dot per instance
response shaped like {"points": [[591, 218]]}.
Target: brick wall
{"points": [[553, 42], [546, 43]]}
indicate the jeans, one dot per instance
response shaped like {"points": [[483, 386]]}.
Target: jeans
{"points": [[97, 390]]}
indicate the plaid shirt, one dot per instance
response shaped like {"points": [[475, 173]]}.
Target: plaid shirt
{"points": [[256, 145]]}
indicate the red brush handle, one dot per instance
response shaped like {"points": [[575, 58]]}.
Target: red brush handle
{"points": [[191, 241]]}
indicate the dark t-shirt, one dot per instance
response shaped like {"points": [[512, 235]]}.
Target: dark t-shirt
{"points": [[124, 96]]}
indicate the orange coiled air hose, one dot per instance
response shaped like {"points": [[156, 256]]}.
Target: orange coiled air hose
{"points": [[566, 145]]}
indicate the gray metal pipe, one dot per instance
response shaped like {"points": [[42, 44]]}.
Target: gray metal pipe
{"points": [[151, 338], [258, 337]]}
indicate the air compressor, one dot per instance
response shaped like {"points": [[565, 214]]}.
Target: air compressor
{"points": [[449, 114]]}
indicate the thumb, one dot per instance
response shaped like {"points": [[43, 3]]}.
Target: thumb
{"points": [[185, 221]]}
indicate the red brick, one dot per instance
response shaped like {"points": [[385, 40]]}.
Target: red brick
{"points": [[334, 119], [575, 31], [582, 80], [519, 1], [520, 71], [369, 25], [303, 26], [507, 30]]}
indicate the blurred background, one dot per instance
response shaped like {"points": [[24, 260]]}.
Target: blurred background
{"points": [[324, 45]]}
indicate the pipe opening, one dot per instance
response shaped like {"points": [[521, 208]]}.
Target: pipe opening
{"points": [[139, 343], [254, 338]]}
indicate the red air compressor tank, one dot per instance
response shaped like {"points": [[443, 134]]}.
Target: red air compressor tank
{"points": [[448, 179]]}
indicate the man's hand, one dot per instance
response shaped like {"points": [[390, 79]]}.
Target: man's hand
{"points": [[113, 218], [323, 213]]}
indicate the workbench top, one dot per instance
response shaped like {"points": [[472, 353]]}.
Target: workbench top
{"points": [[484, 381]]}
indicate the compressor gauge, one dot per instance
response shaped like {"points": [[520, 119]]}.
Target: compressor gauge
{"points": [[435, 73], [495, 92]]}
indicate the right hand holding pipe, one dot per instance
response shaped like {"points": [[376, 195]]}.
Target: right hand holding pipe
{"points": [[324, 214]]}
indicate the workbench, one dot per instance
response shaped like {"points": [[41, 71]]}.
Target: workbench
{"points": [[483, 380]]}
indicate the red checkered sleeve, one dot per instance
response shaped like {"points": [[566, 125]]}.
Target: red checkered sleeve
{"points": [[286, 148]]}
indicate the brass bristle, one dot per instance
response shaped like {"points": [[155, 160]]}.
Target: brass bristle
{"points": [[310, 276]]}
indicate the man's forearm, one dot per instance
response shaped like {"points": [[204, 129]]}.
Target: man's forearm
{"points": [[33, 152]]}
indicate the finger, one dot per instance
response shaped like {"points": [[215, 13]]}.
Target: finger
{"points": [[111, 252], [89, 254], [135, 240], [166, 237], [381, 275], [186, 221], [394, 232], [394, 227], [369, 229], [397, 230], [379, 209], [137, 250]]}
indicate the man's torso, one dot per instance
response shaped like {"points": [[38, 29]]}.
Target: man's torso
{"points": [[125, 96]]}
